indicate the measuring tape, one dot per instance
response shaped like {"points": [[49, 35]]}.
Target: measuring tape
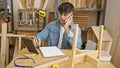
{"points": [[42, 13], [23, 66]]}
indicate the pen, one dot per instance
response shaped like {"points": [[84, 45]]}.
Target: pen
{"points": [[37, 41]]}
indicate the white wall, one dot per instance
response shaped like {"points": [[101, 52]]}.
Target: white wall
{"points": [[112, 15], [112, 21]]}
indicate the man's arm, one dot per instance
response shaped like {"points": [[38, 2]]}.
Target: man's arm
{"points": [[41, 36]]}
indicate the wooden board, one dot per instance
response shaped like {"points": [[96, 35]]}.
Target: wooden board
{"points": [[3, 44]]}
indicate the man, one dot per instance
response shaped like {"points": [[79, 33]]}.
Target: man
{"points": [[60, 32]]}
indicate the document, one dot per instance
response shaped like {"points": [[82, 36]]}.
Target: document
{"points": [[51, 51]]}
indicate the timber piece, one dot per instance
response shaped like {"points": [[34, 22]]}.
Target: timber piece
{"points": [[74, 44], [77, 3], [99, 3], [13, 35], [27, 3], [93, 53], [23, 3], [50, 63], [45, 4], [3, 44], [72, 1], [92, 60], [7, 51], [16, 47], [100, 41], [42, 3], [79, 58]]}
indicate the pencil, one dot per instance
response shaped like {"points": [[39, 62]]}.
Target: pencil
{"points": [[37, 40]]}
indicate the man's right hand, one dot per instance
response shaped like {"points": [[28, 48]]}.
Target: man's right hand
{"points": [[37, 42]]}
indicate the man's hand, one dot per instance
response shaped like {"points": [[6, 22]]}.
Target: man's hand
{"points": [[67, 23], [37, 42]]}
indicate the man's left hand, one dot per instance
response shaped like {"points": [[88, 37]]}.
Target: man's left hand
{"points": [[67, 23]]}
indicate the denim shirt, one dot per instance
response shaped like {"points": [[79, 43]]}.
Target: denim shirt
{"points": [[52, 32]]}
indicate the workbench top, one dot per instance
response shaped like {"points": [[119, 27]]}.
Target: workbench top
{"points": [[40, 59]]}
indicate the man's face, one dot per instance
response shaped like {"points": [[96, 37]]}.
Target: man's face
{"points": [[64, 17]]}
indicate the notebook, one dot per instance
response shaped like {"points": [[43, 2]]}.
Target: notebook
{"points": [[51, 51], [46, 51]]}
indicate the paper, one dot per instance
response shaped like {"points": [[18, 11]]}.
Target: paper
{"points": [[104, 56], [51, 51], [90, 45]]}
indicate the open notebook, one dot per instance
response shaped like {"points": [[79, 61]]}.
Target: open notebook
{"points": [[51, 51]]}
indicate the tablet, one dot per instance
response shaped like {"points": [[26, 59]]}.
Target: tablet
{"points": [[30, 46]]}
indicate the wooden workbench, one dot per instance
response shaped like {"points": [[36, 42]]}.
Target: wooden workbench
{"points": [[40, 59]]}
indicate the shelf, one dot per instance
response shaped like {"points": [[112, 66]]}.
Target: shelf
{"points": [[28, 29], [86, 9]]}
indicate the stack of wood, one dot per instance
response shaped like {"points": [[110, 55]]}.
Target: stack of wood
{"points": [[84, 3]]}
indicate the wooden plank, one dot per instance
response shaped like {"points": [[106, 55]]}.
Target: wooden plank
{"points": [[16, 47], [42, 3], [23, 3], [3, 44], [100, 41], [79, 58], [74, 44], [77, 4], [7, 51], [72, 2], [49, 63], [45, 5], [99, 2], [27, 3], [92, 60], [93, 53], [19, 44]]}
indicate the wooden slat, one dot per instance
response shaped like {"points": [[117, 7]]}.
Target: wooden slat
{"points": [[92, 60], [79, 58], [3, 44], [7, 51], [45, 5], [42, 3], [23, 3], [16, 47], [99, 3], [50, 63], [78, 3], [27, 3], [100, 41], [74, 44]]}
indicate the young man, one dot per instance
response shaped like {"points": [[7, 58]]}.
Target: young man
{"points": [[60, 32]]}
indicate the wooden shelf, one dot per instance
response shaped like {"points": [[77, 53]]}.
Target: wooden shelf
{"points": [[86, 9]]}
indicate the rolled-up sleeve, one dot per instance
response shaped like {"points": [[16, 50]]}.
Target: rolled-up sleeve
{"points": [[44, 33]]}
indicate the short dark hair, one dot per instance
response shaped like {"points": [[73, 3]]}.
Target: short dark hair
{"points": [[66, 7]]}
